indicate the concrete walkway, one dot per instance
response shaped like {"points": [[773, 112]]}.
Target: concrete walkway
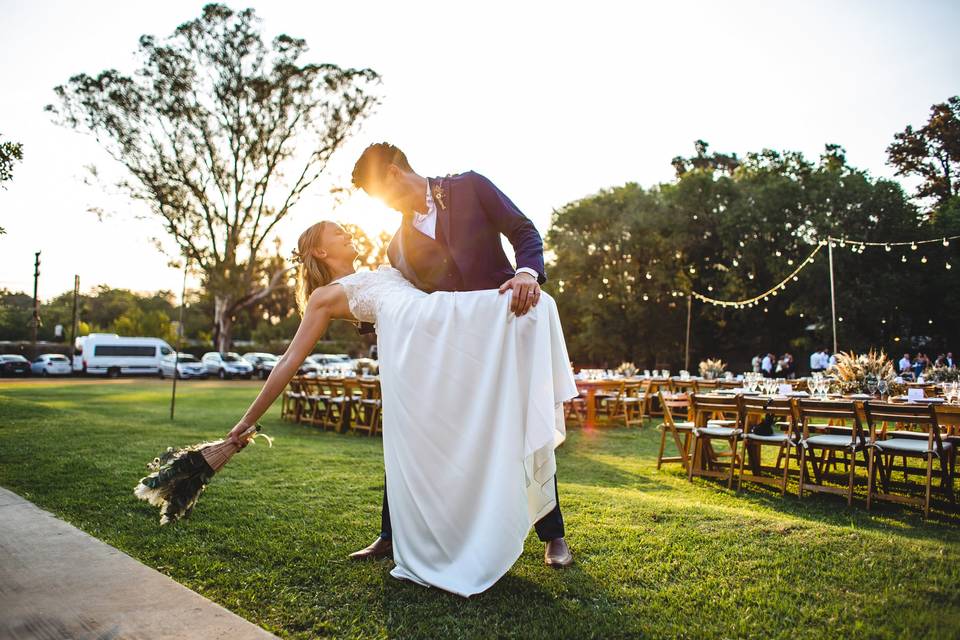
{"points": [[57, 582]]}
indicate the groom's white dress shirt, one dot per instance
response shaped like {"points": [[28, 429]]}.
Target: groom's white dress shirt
{"points": [[426, 223]]}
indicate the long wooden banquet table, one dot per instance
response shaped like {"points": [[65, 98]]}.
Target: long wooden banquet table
{"points": [[590, 387]]}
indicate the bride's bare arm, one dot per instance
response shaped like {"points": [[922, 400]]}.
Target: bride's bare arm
{"points": [[325, 304]]}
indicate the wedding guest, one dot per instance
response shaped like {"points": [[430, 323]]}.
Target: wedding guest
{"points": [[904, 365], [767, 365], [948, 361], [818, 361], [831, 358], [787, 367], [919, 364], [755, 364]]}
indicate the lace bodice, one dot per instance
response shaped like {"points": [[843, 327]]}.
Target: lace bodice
{"points": [[366, 290]]}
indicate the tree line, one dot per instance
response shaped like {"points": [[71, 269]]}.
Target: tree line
{"points": [[625, 259]]}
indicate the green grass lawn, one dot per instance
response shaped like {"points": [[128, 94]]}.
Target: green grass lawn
{"points": [[657, 556]]}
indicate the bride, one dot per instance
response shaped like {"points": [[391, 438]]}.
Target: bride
{"points": [[458, 373]]}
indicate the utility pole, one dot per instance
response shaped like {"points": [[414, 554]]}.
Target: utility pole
{"points": [[833, 297], [73, 323], [35, 321], [176, 358]]}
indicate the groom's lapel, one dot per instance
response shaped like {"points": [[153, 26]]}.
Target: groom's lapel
{"points": [[440, 189]]}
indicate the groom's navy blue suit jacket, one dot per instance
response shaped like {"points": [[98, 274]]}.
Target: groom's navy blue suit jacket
{"points": [[467, 254]]}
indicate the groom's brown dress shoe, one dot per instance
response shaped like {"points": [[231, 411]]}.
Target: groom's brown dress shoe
{"points": [[381, 548], [557, 554]]}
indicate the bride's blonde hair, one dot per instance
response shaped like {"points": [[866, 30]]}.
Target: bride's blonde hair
{"points": [[312, 272]]}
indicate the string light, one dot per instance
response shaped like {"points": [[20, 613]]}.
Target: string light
{"points": [[857, 246], [763, 296]]}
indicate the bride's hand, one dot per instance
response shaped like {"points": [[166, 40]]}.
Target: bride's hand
{"points": [[235, 434]]}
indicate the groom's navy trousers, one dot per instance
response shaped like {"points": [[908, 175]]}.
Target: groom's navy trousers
{"points": [[467, 255], [549, 527]]}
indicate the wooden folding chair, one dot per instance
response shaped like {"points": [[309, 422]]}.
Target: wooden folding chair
{"points": [[924, 444], [705, 386], [315, 403], [336, 416], [365, 408], [292, 403], [634, 399], [817, 438], [675, 406], [628, 404], [611, 402], [782, 414], [576, 409], [708, 428]]}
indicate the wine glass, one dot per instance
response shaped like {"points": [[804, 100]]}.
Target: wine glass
{"points": [[883, 386]]}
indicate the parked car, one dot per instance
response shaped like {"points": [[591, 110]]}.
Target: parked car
{"points": [[332, 361], [187, 366], [14, 365], [306, 368], [114, 355], [263, 363], [51, 364], [227, 365]]}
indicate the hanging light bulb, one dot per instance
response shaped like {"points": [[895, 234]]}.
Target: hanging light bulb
{"points": [[946, 242], [887, 248], [646, 297], [923, 259], [913, 245], [903, 258], [948, 266], [649, 275]]}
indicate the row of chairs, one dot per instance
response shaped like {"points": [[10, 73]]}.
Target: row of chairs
{"points": [[335, 404], [819, 435]]}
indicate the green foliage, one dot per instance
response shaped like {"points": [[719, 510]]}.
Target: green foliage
{"points": [[731, 228], [220, 134], [932, 153], [134, 322]]}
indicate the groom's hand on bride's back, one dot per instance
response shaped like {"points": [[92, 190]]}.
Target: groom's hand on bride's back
{"points": [[526, 292]]}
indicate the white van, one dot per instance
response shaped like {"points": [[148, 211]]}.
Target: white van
{"points": [[110, 354]]}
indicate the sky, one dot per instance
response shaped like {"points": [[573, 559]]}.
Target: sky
{"points": [[553, 101]]}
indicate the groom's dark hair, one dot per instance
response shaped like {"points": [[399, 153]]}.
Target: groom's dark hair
{"points": [[373, 163]]}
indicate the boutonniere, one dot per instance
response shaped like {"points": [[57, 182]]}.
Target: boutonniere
{"points": [[438, 195]]}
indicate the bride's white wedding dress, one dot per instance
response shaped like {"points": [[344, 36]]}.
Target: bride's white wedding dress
{"points": [[472, 411]]}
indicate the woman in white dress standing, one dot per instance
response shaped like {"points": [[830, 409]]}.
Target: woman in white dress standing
{"points": [[466, 479]]}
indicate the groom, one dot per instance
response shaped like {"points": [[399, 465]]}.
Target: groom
{"points": [[449, 240]]}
